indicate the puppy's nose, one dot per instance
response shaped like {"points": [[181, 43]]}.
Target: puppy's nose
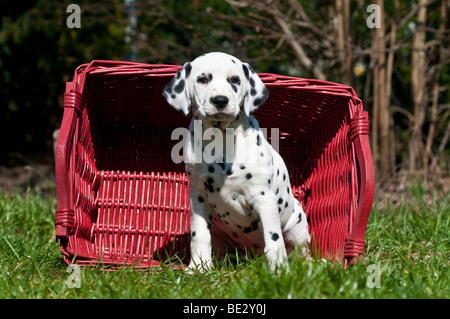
{"points": [[220, 102]]}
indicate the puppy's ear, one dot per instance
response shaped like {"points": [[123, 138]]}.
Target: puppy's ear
{"points": [[176, 91], [256, 93]]}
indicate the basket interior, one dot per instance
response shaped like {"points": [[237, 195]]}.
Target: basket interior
{"points": [[132, 201]]}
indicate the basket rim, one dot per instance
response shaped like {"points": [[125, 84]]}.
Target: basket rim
{"points": [[120, 68]]}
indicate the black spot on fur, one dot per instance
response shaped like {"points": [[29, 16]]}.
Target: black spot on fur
{"points": [[168, 88], [210, 168], [188, 69], [258, 140], [229, 171], [280, 201], [254, 226], [194, 233], [201, 199], [247, 230], [275, 236], [262, 193], [286, 205], [257, 102], [242, 166], [179, 87], [288, 190], [209, 187], [284, 177], [245, 69], [248, 176], [299, 218]]}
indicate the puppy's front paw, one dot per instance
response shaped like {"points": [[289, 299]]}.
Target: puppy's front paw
{"points": [[277, 265], [201, 267]]}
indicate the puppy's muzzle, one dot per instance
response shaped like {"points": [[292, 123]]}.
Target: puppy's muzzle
{"points": [[219, 101]]}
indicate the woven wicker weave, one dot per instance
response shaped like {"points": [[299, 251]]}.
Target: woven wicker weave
{"points": [[122, 200]]}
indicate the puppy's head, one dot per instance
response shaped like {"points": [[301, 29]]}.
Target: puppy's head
{"points": [[217, 86]]}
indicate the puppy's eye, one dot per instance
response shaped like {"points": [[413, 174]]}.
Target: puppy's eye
{"points": [[202, 79], [235, 80]]}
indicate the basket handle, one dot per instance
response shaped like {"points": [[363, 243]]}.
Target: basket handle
{"points": [[64, 216], [359, 133]]}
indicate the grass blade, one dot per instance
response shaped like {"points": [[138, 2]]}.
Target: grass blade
{"points": [[12, 248]]}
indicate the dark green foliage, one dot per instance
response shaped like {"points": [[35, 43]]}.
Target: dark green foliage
{"points": [[39, 53]]}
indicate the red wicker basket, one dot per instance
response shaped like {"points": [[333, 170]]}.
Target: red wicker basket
{"points": [[122, 201]]}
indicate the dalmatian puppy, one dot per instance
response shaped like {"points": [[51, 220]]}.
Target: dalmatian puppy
{"points": [[240, 194]]}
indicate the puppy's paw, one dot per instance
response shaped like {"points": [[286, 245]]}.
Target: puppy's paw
{"points": [[201, 267], [278, 266]]}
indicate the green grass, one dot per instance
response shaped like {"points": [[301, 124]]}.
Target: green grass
{"points": [[408, 242]]}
